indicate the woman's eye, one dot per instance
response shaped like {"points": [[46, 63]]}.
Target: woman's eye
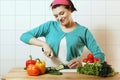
{"points": [[61, 13], [56, 16]]}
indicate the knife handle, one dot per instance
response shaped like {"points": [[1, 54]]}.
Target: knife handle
{"points": [[43, 51]]}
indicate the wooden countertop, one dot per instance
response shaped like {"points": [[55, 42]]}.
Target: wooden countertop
{"points": [[18, 73]]}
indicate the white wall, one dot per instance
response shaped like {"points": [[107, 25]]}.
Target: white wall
{"points": [[102, 17]]}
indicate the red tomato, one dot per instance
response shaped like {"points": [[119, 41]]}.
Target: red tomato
{"points": [[90, 61], [96, 59], [85, 60], [90, 56]]}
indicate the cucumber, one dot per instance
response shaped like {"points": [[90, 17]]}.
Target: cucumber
{"points": [[59, 67], [56, 70]]}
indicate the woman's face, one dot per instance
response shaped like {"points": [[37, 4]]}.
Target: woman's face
{"points": [[62, 15]]}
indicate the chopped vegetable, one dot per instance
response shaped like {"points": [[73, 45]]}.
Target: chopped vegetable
{"points": [[90, 69], [56, 70], [53, 71], [61, 66], [97, 69]]}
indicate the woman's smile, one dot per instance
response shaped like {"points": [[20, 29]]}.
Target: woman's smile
{"points": [[62, 21], [62, 15]]}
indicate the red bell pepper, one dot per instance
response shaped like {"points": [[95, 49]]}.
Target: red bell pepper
{"points": [[30, 61], [33, 70]]}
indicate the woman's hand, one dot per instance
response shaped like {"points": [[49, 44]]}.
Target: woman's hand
{"points": [[73, 63], [47, 50]]}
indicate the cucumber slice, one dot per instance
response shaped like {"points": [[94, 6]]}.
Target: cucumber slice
{"points": [[59, 67]]}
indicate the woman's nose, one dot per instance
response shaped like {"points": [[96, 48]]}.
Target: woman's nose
{"points": [[59, 18]]}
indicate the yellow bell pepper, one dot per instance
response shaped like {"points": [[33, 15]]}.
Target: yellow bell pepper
{"points": [[41, 65]]}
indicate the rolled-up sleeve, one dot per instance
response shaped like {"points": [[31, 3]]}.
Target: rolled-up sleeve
{"points": [[93, 46], [25, 37], [39, 31]]}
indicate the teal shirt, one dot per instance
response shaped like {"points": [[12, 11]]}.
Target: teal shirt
{"points": [[76, 40]]}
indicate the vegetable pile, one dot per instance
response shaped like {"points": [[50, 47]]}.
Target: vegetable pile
{"points": [[96, 68], [35, 67], [91, 59]]}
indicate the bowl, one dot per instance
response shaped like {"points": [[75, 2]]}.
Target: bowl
{"points": [[83, 63]]}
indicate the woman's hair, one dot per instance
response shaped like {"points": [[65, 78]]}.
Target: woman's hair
{"points": [[70, 7]]}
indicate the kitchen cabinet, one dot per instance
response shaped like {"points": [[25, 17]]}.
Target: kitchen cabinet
{"points": [[18, 73]]}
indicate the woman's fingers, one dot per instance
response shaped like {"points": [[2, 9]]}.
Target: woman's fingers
{"points": [[48, 53], [73, 63], [47, 50], [51, 54]]}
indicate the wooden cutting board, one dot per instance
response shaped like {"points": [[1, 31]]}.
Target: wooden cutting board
{"points": [[18, 73]]}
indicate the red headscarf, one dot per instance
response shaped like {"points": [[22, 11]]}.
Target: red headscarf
{"points": [[64, 2]]}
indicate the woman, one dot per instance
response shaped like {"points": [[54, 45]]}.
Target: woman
{"points": [[63, 35]]}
